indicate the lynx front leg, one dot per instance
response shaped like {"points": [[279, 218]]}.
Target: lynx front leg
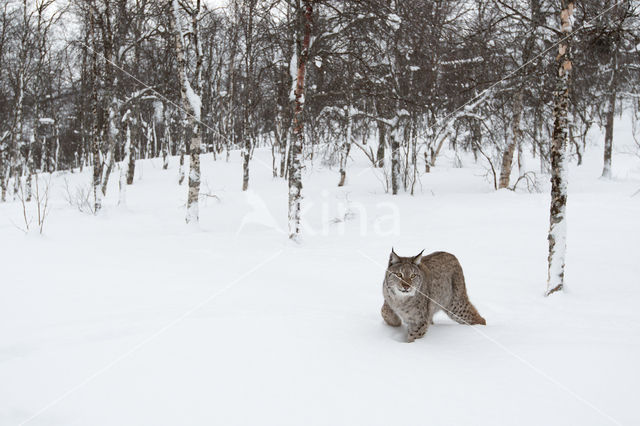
{"points": [[389, 316], [416, 331]]}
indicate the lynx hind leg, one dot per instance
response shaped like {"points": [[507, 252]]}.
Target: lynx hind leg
{"points": [[463, 312], [389, 316], [416, 331]]}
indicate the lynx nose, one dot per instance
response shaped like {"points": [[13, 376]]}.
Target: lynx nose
{"points": [[406, 284]]}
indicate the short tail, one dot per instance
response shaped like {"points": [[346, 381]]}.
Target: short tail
{"points": [[466, 313]]}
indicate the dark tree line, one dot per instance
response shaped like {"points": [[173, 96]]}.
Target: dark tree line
{"points": [[102, 83]]}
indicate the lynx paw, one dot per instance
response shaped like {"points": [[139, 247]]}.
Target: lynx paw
{"points": [[416, 332], [390, 317]]}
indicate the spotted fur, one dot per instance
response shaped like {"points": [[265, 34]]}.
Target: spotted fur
{"points": [[415, 288]]}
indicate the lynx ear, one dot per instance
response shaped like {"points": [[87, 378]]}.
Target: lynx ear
{"points": [[416, 260], [394, 258]]}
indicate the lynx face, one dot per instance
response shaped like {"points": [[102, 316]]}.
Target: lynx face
{"points": [[404, 276]]}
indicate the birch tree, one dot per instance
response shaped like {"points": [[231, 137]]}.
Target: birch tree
{"points": [[124, 165], [249, 10], [558, 220], [21, 75], [5, 29], [191, 102], [530, 26], [95, 135], [111, 39], [614, 38], [295, 168]]}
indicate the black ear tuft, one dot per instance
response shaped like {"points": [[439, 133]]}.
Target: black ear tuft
{"points": [[394, 258], [416, 260]]}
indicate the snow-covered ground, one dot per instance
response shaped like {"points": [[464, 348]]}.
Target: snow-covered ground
{"points": [[134, 318]]}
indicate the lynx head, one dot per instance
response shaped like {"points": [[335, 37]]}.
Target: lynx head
{"points": [[404, 276]]}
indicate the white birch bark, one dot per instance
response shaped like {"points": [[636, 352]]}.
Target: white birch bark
{"points": [[95, 137], [558, 221], [609, 115], [346, 146], [295, 168], [124, 167], [192, 105], [16, 169]]}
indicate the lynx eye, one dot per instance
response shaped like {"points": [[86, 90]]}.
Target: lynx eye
{"points": [[413, 276], [398, 274]]}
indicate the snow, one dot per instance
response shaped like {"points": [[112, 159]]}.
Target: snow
{"points": [[394, 21], [464, 61], [124, 166], [131, 317], [192, 214], [194, 100], [293, 73], [193, 175]]}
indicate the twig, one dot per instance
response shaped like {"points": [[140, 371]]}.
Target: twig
{"points": [[27, 221], [531, 181], [493, 170]]}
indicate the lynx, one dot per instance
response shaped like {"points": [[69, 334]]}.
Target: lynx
{"points": [[415, 288]]}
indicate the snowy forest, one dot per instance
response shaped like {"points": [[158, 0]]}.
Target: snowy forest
{"points": [[259, 121]]}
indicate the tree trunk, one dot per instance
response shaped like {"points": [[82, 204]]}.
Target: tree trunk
{"points": [[576, 145], [382, 138], [345, 148], [247, 95], [124, 168], [166, 137], [191, 104], [112, 133], [414, 155], [95, 137], [282, 136], [110, 83], [29, 170], [609, 116], [246, 149], [56, 156], [155, 138], [274, 162], [516, 142], [166, 145], [16, 137], [395, 160], [507, 155], [295, 167], [436, 152], [558, 220], [3, 178], [130, 153], [131, 145], [3, 174]]}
